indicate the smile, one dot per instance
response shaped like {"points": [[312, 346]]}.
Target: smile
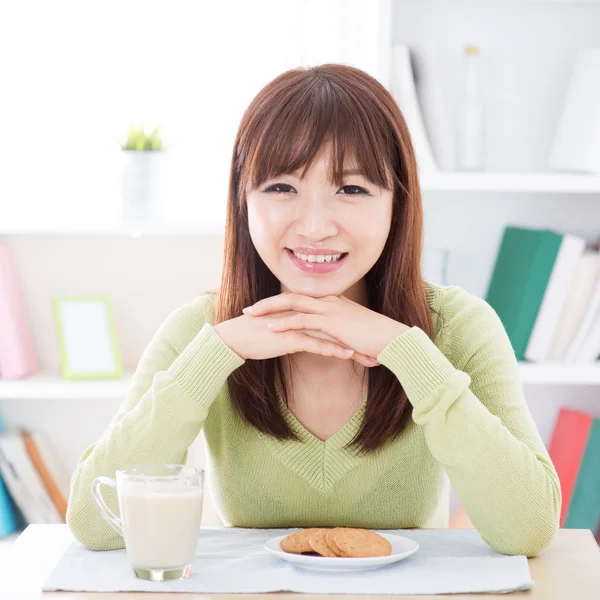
{"points": [[318, 258], [317, 263]]}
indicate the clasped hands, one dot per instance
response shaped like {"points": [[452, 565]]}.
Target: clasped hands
{"points": [[348, 323]]}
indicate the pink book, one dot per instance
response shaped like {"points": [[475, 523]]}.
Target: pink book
{"points": [[17, 350]]}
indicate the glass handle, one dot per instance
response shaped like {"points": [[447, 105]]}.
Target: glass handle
{"points": [[101, 505]]}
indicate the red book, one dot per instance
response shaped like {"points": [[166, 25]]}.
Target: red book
{"points": [[567, 447]]}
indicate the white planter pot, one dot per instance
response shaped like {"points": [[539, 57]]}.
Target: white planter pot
{"points": [[142, 183]]}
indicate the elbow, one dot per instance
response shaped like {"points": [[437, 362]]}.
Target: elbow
{"points": [[532, 533], [529, 543], [537, 528], [90, 530]]}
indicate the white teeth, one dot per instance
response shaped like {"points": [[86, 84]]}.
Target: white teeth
{"points": [[318, 258]]}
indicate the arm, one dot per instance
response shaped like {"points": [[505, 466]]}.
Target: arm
{"points": [[178, 377], [478, 426]]}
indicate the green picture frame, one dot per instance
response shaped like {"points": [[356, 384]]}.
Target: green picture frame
{"points": [[87, 337]]}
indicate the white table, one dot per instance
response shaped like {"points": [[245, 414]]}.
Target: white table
{"points": [[568, 569]]}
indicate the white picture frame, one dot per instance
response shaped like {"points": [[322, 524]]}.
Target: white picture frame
{"points": [[87, 338]]}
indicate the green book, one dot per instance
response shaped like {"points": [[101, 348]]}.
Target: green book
{"points": [[521, 273], [584, 510]]}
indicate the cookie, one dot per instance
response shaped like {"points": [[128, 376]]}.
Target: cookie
{"points": [[318, 543], [330, 540], [297, 542], [360, 543]]}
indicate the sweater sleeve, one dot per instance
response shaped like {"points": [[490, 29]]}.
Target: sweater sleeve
{"points": [[477, 424], [179, 376]]}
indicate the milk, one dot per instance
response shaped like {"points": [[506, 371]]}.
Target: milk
{"points": [[160, 523]]}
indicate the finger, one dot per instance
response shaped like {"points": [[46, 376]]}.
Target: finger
{"points": [[365, 360], [299, 321], [301, 342], [296, 302]]}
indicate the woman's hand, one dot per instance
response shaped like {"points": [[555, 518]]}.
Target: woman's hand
{"points": [[252, 338], [350, 324]]}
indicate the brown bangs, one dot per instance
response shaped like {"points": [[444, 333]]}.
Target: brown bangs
{"points": [[298, 121]]}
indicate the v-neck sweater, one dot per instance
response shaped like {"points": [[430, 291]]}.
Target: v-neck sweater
{"points": [[470, 428]]}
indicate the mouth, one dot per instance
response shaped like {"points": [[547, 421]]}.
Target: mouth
{"points": [[317, 263]]}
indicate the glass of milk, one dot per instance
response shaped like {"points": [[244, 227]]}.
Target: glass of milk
{"points": [[161, 510]]}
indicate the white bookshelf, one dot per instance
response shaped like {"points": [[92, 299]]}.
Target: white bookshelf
{"points": [[442, 181], [560, 183], [49, 387], [53, 387]]}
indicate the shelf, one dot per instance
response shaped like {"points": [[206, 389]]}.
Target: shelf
{"points": [[560, 183], [48, 387], [86, 229], [560, 374], [443, 181]]}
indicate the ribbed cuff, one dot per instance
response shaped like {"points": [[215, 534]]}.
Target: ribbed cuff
{"points": [[417, 362], [203, 367]]}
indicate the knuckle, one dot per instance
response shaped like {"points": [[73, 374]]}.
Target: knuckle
{"points": [[326, 347]]}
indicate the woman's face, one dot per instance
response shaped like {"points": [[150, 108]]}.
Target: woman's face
{"points": [[316, 238]]}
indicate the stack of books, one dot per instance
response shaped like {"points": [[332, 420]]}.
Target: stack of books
{"points": [[34, 486], [545, 287], [575, 451]]}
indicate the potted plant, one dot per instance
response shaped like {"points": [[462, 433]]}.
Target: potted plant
{"points": [[142, 177]]}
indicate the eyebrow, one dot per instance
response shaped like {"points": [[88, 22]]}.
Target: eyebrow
{"points": [[345, 172]]}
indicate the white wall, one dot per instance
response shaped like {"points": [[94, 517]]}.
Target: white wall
{"points": [[528, 47]]}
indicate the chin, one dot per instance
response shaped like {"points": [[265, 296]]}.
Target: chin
{"points": [[316, 289]]}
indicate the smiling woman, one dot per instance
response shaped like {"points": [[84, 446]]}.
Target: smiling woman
{"points": [[335, 387], [324, 167]]}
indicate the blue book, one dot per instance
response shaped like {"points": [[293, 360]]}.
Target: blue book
{"points": [[10, 520]]}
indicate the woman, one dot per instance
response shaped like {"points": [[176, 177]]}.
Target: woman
{"points": [[335, 386]]}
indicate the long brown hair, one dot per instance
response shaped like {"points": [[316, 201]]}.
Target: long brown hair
{"points": [[282, 131]]}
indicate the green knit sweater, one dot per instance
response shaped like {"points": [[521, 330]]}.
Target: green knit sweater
{"points": [[471, 426]]}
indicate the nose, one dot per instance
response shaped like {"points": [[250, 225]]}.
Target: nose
{"points": [[315, 220]]}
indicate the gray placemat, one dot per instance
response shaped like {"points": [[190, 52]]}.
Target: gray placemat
{"points": [[233, 560]]}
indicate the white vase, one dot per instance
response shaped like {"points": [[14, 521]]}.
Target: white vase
{"points": [[142, 182]]}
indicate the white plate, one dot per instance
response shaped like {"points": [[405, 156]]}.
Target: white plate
{"points": [[401, 548]]}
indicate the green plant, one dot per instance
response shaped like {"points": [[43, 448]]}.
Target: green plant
{"points": [[140, 141]]}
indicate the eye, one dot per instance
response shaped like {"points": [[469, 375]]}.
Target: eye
{"points": [[280, 188], [353, 190]]}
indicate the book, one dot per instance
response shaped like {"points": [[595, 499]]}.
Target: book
{"points": [[17, 350], [579, 298], [404, 92], [23, 482], [521, 273], [576, 146], [567, 446], [52, 474], [550, 312], [586, 344], [9, 521], [427, 71], [584, 509]]}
